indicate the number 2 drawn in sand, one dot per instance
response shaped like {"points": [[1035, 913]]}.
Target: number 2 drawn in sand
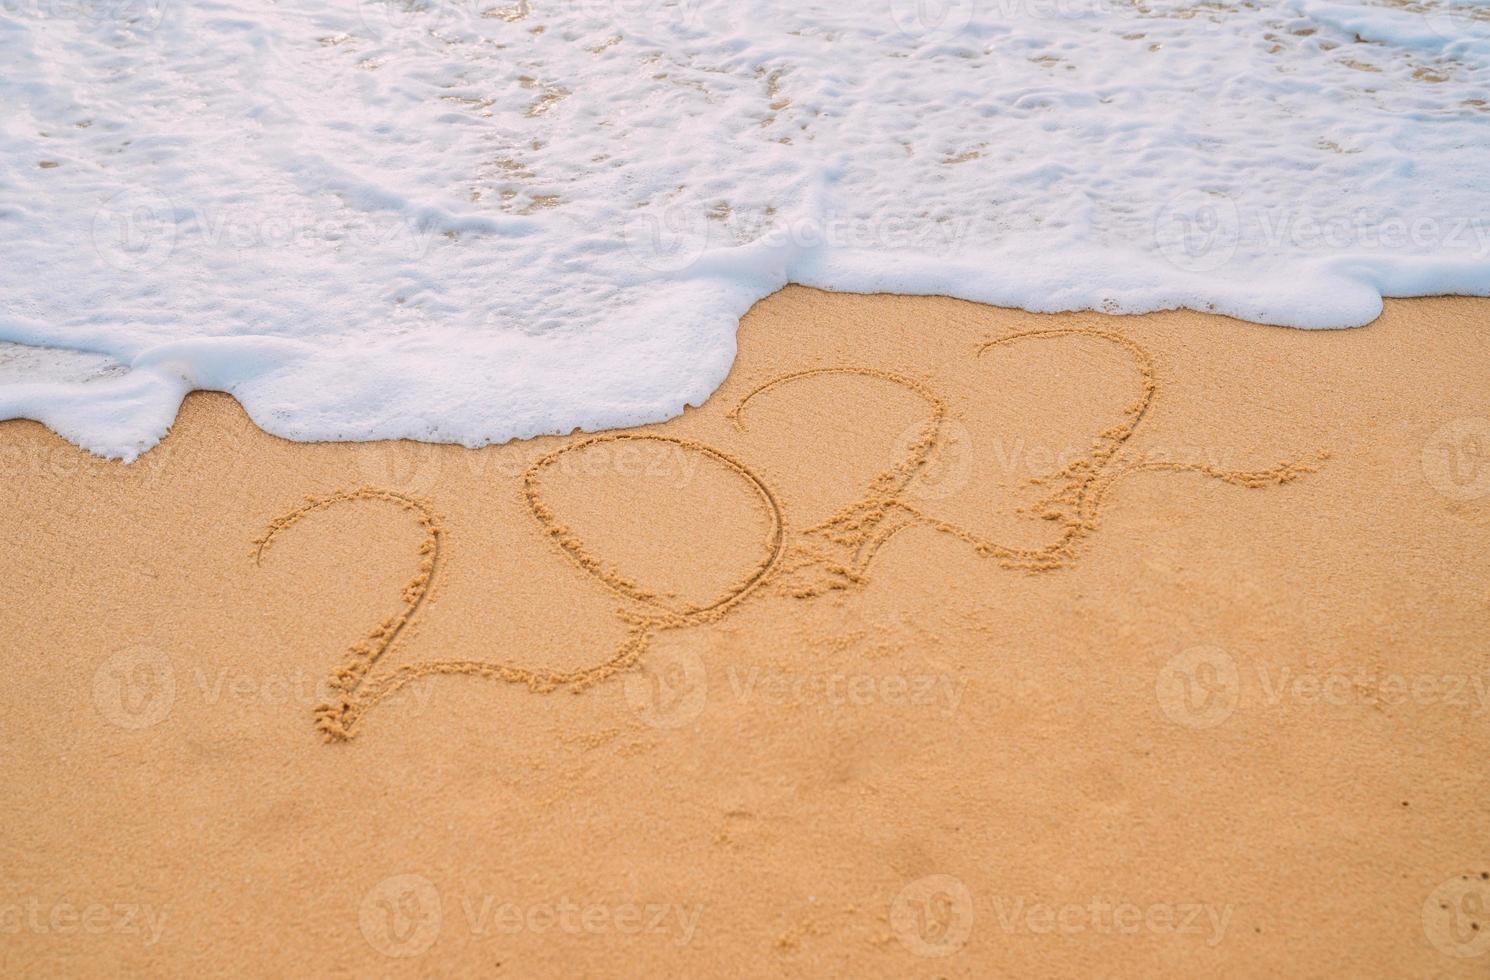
{"points": [[645, 613], [834, 554]]}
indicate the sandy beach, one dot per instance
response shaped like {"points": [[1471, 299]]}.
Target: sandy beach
{"points": [[943, 640]]}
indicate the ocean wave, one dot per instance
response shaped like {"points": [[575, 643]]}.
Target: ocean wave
{"points": [[463, 221]]}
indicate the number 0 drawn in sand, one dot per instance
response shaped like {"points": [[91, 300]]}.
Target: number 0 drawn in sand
{"points": [[835, 554]]}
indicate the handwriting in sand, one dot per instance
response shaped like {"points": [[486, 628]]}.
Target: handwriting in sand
{"points": [[835, 554]]}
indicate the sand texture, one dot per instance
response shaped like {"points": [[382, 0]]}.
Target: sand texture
{"points": [[944, 640]]}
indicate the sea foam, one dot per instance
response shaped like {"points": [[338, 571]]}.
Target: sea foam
{"points": [[465, 221]]}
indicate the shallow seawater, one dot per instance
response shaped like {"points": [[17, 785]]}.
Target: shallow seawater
{"points": [[472, 221]]}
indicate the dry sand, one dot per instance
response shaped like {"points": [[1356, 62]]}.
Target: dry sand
{"points": [[820, 685]]}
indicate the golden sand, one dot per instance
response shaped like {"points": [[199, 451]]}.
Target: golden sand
{"points": [[943, 640]]}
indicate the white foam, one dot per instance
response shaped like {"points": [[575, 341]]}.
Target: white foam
{"points": [[463, 221]]}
